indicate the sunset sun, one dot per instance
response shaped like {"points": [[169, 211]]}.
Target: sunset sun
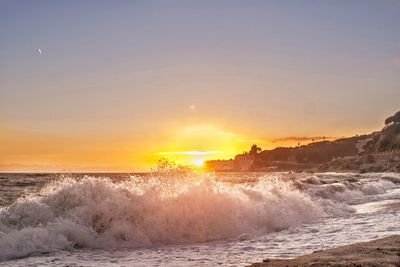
{"points": [[198, 162], [193, 145]]}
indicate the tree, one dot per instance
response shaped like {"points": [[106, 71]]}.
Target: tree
{"points": [[393, 119], [254, 150]]}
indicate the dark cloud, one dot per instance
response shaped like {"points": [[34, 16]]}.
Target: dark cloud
{"points": [[302, 139]]}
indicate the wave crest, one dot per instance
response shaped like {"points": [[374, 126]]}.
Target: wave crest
{"points": [[144, 212]]}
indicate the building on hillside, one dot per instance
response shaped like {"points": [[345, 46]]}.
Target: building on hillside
{"points": [[229, 165], [243, 165], [220, 165]]}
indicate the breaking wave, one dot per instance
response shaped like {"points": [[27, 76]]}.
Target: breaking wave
{"points": [[171, 208], [144, 212]]}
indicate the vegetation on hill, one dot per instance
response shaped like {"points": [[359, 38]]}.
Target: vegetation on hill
{"points": [[351, 152], [393, 119]]}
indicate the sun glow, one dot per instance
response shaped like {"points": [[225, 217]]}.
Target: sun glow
{"points": [[189, 152], [199, 162], [195, 144]]}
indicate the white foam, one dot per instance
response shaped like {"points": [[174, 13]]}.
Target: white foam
{"points": [[95, 212]]}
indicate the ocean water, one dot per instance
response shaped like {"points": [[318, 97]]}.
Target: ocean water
{"points": [[188, 218]]}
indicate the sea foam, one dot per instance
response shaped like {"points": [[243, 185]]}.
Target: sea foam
{"points": [[146, 212], [177, 208]]}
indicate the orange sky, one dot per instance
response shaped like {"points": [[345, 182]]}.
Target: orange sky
{"points": [[188, 145]]}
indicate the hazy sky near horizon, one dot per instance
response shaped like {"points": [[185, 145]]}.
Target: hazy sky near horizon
{"points": [[103, 85]]}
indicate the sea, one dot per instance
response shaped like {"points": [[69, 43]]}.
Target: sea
{"points": [[189, 218]]}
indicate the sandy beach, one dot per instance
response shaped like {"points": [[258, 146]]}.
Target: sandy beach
{"points": [[379, 252]]}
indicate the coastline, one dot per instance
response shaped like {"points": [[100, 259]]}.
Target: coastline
{"points": [[378, 252]]}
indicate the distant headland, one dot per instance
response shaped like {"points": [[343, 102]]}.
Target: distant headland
{"points": [[375, 152]]}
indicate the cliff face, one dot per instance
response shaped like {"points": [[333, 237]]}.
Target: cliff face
{"points": [[389, 138]]}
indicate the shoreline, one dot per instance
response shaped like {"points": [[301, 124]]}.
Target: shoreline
{"points": [[378, 252]]}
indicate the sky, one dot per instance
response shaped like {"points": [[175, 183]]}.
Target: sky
{"points": [[115, 85]]}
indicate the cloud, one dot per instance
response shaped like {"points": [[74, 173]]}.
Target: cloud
{"points": [[302, 139]]}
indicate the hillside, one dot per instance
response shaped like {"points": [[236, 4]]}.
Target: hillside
{"points": [[377, 151]]}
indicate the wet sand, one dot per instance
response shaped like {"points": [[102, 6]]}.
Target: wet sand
{"points": [[379, 252]]}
